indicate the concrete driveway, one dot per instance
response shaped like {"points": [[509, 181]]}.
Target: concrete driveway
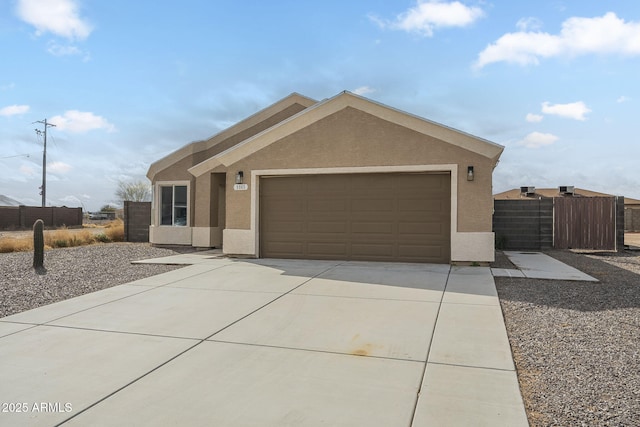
{"points": [[267, 343]]}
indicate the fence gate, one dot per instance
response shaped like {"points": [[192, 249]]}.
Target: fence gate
{"points": [[584, 223]]}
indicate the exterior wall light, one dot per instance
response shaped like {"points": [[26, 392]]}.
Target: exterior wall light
{"points": [[470, 173], [239, 177]]}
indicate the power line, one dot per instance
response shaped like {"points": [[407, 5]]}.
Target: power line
{"points": [[17, 155]]}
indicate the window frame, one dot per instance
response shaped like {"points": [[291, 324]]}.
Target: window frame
{"points": [[159, 206]]}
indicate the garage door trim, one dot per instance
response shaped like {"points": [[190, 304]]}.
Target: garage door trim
{"points": [[255, 190]]}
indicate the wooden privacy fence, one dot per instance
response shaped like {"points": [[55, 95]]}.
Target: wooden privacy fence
{"points": [[584, 223], [561, 222]]}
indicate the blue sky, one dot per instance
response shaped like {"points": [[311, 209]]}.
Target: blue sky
{"points": [[127, 82]]}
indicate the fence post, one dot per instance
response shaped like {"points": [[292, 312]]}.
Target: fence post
{"points": [[127, 220], [21, 216]]}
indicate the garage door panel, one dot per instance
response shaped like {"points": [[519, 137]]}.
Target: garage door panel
{"points": [[327, 249], [324, 227], [420, 205], [285, 249], [371, 205], [284, 187], [367, 182], [373, 227], [286, 206], [421, 252], [286, 227], [327, 205], [322, 185], [385, 217], [434, 229], [371, 250]]}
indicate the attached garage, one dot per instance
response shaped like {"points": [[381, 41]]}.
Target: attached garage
{"points": [[366, 217], [345, 178]]}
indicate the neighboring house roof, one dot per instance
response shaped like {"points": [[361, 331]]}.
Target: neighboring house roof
{"points": [[236, 131], [631, 202], [332, 105], [516, 194], [8, 201]]}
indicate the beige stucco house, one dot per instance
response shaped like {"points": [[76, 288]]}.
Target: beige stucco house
{"points": [[343, 178]]}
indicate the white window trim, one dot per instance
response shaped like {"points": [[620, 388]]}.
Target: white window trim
{"points": [[158, 203]]}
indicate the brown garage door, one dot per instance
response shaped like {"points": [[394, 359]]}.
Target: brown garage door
{"points": [[378, 217]]}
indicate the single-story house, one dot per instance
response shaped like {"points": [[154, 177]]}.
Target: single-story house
{"points": [[528, 193], [631, 215], [344, 178]]}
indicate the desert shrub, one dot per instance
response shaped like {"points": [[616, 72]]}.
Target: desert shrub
{"points": [[115, 223], [64, 238], [60, 243], [24, 244], [58, 238], [81, 238], [103, 238], [116, 232]]}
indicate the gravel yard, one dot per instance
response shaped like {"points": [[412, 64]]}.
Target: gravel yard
{"points": [[71, 272], [576, 345]]}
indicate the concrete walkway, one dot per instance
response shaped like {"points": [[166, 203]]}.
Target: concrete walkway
{"points": [[267, 343], [536, 265]]}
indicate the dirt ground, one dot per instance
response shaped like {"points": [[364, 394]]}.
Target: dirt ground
{"points": [[632, 239]]}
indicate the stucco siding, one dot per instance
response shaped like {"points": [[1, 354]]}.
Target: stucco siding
{"points": [[351, 138], [178, 171], [251, 131]]}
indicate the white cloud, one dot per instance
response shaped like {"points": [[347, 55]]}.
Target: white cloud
{"points": [[529, 24], [8, 86], [538, 139], [59, 17], [622, 99], [605, 34], [58, 167], [534, 118], [78, 121], [62, 50], [363, 90], [13, 110], [427, 16], [574, 110]]}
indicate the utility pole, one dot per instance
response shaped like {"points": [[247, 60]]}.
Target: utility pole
{"points": [[43, 189]]}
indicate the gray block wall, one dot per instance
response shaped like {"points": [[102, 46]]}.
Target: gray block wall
{"points": [[137, 219], [523, 224]]}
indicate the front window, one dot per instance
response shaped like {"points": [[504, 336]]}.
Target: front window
{"points": [[173, 205]]}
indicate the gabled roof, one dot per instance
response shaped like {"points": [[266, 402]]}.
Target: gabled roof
{"points": [[199, 146], [631, 202], [339, 102], [515, 194]]}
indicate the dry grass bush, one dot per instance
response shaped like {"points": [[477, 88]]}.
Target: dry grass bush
{"points": [[63, 238], [115, 230], [16, 245]]}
